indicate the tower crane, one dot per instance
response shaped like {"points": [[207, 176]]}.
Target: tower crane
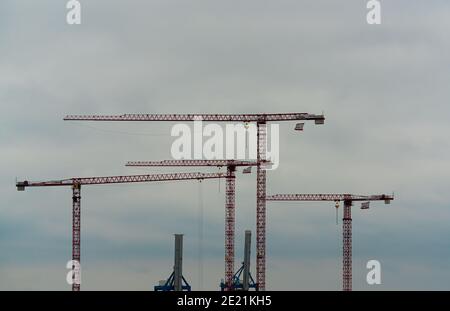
{"points": [[348, 200], [229, 201], [76, 184], [261, 121]]}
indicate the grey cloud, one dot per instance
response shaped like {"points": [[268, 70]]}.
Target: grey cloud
{"points": [[384, 91]]}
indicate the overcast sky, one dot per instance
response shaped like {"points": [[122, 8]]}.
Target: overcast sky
{"points": [[384, 90]]}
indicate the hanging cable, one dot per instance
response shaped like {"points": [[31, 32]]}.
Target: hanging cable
{"points": [[219, 179], [200, 235], [246, 139], [337, 212]]}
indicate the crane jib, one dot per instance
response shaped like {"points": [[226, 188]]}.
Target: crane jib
{"points": [[319, 119], [119, 179]]}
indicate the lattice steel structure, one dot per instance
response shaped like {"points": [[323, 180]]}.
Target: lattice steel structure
{"points": [[347, 247], [76, 235]]}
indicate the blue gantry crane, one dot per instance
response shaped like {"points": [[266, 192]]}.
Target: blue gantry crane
{"points": [[176, 281]]}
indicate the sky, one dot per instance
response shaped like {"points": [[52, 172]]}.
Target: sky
{"points": [[383, 89]]}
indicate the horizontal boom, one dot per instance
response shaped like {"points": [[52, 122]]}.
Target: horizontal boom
{"points": [[119, 179], [329, 197], [319, 119]]}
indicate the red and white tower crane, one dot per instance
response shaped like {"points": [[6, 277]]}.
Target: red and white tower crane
{"points": [[261, 121], [76, 184], [230, 205], [348, 200]]}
